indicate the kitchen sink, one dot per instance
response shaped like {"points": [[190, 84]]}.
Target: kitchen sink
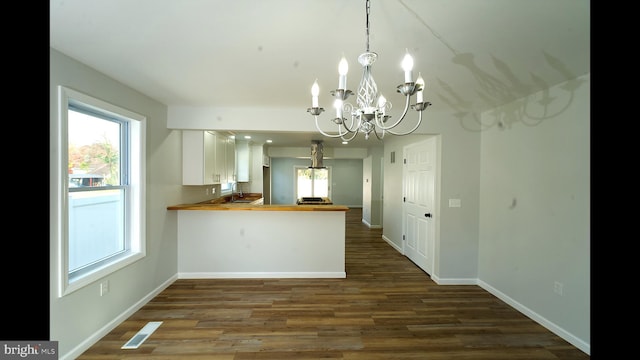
{"points": [[254, 199]]}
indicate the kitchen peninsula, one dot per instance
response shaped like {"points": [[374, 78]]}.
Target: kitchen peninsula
{"points": [[252, 240]]}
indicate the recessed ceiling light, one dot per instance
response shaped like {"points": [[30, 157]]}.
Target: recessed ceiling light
{"points": [[247, 137], [345, 142], [269, 141]]}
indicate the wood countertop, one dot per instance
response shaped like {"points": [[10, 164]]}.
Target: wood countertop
{"points": [[257, 207]]}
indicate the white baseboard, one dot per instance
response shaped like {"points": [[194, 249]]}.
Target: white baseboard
{"points": [[570, 338], [371, 226], [85, 345], [393, 245]]}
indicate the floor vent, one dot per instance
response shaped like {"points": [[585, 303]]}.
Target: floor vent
{"points": [[142, 335]]}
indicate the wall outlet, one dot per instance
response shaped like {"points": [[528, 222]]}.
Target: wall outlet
{"points": [[557, 288], [104, 287]]}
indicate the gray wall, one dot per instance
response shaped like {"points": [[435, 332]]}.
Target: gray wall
{"points": [[535, 201], [522, 173], [82, 317], [346, 180], [372, 183]]}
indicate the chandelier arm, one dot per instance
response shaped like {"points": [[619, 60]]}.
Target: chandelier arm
{"points": [[379, 136], [340, 134], [353, 135], [410, 131], [345, 127], [353, 126], [350, 129], [404, 113]]}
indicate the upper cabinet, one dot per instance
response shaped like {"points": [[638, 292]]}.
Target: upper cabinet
{"points": [[221, 158], [207, 158], [231, 160], [243, 160], [198, 157]]}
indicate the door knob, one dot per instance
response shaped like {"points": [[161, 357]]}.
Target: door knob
{"points": [[427, 215]]}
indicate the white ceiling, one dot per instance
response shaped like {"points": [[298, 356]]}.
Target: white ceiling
{"points": [[472, 54]]}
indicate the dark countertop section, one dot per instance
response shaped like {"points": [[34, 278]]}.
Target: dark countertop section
{"points": [[314, 201], [253, 198]]}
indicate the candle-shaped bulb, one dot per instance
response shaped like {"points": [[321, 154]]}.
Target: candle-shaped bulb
{"points": [[407, 66], [315, 91], [382, 104], [420, 83], [382, 101], [343, 69]]}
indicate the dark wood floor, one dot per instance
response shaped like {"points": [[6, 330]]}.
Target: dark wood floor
{"points": [[386, 308]]}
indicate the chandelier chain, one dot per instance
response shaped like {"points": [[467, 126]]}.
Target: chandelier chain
{"points": [[367, 14]]}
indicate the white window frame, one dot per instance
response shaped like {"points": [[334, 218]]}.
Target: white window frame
{"points": [[135, 203], [295, 180]]}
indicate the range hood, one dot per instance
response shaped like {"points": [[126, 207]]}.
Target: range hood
{"points": [[317, 155]]}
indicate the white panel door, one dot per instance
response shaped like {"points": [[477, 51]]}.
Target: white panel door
{"points": [[419, 202]]}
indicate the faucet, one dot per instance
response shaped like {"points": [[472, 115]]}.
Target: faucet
{"points": [[233, 185], [239, 192]]}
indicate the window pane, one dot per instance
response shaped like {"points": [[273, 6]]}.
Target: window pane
{"points": [[96, 198], [304, 183], [320, 182], [95, 226], [94, 151], [312, 182]]}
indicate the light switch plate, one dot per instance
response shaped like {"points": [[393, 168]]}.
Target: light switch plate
{"points": [[454, 202]]}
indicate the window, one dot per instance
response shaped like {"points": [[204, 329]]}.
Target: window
{"points": [[312, 182], [101, 164]]}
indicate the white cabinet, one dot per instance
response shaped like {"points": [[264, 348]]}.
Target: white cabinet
{"points": [[243, 154], [231, 160], [221, 158], [207, 158], [199, 158]]}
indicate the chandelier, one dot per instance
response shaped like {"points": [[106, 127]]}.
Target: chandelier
{"points": [[371, 114]]}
